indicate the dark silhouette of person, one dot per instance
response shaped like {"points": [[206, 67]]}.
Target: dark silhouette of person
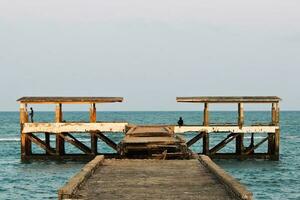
{"points": [[180, 121], [31, 114]]}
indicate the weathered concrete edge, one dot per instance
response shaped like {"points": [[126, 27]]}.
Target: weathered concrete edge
{"points": [[70, 188], [231, 184]]}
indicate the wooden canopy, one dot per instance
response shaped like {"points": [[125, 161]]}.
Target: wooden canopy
{"points": [[69, 100], [229, 99]]}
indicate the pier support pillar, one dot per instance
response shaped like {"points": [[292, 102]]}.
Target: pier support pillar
{"points": [[240, 144], [94, 145], [47, 141], [274, 140], [93, 113], [25, 141], [60, 143], [241, 115], [25, 146], [205, 143], [276, 144], [275, 114], [94, 138], [205, 115]]}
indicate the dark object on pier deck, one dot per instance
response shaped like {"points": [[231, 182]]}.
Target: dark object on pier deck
{"points": [[153, 179]]}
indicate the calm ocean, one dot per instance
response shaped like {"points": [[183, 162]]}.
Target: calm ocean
{"points": [[41, 179]]}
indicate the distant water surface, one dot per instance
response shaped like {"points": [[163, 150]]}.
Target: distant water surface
{"points": [[41, 179]]}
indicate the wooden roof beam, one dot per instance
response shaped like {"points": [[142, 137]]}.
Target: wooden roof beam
{"points": [[69, 100], [229, 99]]}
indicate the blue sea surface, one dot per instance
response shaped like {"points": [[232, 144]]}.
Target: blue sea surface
{"points": [[41, 179]]}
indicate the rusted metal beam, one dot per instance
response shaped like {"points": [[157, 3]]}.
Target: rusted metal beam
{"points": [[195, 139], [108, 141], [223, 143], [248, 151], [40, 143], [72, 140]]}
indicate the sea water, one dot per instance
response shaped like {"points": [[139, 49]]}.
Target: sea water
{"points": [[41, 179]]}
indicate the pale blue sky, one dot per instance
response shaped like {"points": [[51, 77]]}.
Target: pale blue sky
{"points": [[149, 52]]}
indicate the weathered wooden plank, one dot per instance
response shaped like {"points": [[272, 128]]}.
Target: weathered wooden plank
{"points": [[165, 140], [74, 127], [226, 129], [120, 127], [143, 131]]}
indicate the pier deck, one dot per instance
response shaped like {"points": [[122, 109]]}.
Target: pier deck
{"points": [[155, 179]]}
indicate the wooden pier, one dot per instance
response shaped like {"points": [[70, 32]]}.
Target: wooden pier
{"points": [[153, 179], [151, 141]]}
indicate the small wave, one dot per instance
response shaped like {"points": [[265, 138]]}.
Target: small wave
{"points": [[9, 139], [248, 137], [291, 137]]}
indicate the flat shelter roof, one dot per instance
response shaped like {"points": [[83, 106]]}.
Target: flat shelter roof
{"points": [[229, 99], [70, 100]]}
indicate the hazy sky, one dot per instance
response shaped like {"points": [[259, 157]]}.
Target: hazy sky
{"points": [[149, 52]]}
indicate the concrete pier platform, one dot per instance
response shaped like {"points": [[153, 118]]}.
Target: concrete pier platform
{"points": [[153, 179]]}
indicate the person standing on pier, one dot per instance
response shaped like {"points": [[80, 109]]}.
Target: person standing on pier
{"points": [[180, 121], [31, 114]]}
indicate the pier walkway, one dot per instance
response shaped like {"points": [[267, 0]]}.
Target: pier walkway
{"points": [[153, 179], [151, 141]]}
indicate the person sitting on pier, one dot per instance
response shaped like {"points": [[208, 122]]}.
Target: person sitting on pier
{"points": [[180, 121], [31, 114]]}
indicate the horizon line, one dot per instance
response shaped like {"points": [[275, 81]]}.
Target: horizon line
{"points": [[283, 110]]}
